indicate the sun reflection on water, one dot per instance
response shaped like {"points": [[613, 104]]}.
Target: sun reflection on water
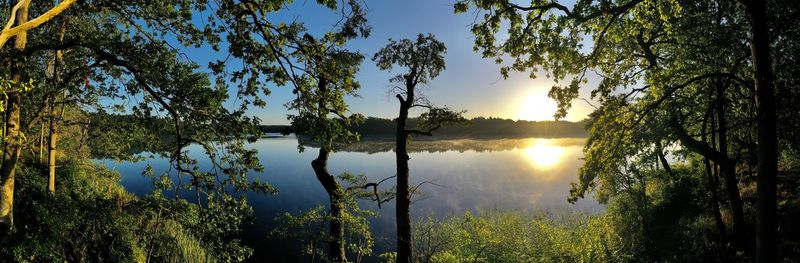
{"points": [[544, 155]]}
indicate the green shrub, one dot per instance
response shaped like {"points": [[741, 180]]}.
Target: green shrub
{"points": [[91, 218], [516, 237]]}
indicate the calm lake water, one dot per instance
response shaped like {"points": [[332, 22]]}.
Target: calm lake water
{"points": [[467, 175]]}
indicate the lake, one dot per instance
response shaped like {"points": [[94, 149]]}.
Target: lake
{"points": [[532, 174]]}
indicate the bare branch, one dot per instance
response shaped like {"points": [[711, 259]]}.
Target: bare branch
{"points": [[414, 189], [375, 192]]}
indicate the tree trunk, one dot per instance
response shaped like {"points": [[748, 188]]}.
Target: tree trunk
{"points": [[334, 189], [337, 245], [712, 184], [41, 142], [728, 167], [51, 153], [403, 208], [11, 153], [335, 192], [11, 149], [53, 136], [712, 189], [663, 159], [766, 204]]}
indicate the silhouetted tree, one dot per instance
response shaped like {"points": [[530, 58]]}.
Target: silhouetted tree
{"points": [[423, 60], [766, 204]]}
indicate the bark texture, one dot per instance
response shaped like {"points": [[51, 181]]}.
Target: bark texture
{"points": [[51, 153], [11, 149]]}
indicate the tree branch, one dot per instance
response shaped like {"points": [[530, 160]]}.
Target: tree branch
{"points": [[695, 145], [9, 32], [374, 190], [428, 132], [579, 18]]}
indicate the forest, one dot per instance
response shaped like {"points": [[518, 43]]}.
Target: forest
{"points": [[691, 149], [479, 127]]}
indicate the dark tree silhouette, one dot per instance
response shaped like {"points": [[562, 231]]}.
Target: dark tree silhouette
{"points": [[766, 204], [423, 60]]}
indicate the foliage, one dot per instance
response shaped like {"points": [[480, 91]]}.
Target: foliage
{"points": [[516, 237], [92, 219], [329, 73], [326, 76], [308, 227], [84, 224], [665, 218], [423, 57], [661, 220], [160, 103], [124, 80], [676, 79]]}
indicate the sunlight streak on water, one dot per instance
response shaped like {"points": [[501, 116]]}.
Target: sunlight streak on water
{"points": [[544, 155]]}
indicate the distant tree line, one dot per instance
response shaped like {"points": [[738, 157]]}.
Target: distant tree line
{"points": [[479, 127]]}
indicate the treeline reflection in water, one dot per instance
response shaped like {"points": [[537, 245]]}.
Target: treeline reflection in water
{"points": [[379, 145]]}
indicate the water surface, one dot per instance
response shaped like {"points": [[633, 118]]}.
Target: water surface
{"points": [[462, 175]]}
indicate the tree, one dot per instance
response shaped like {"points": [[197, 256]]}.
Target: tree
{"points": [[423, 60], [125, 52], [105, 59], [53, 117], [113, 47], [766, 223], [329, 75], [652, 58], [12, 145]]}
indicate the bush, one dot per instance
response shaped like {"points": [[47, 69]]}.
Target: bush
{"points": [[515, 237], [91, 218]]}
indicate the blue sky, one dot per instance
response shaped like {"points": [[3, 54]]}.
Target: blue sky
{"points": [[469, 83]]}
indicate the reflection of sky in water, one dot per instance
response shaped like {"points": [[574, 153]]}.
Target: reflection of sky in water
{"points": [[506, 174]]}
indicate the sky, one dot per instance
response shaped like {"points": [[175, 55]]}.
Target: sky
{"points": [[469, 81]]}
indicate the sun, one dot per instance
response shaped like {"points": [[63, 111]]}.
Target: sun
{"points": [[537, 107]]}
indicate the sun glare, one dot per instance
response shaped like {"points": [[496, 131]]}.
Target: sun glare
{"points": [[544, 155], [537, 107]]}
